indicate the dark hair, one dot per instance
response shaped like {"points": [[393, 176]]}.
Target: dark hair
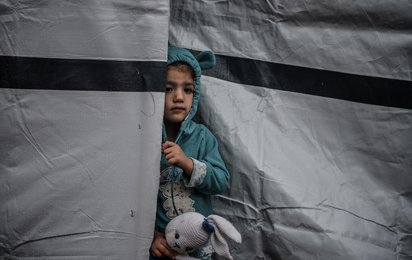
{"points": [[182, 67]]}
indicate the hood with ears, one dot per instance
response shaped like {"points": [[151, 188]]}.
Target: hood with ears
{"points": [[202, 61]]}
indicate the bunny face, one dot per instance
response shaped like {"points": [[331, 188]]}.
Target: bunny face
{"points": [[179, 242], [185, 233]]}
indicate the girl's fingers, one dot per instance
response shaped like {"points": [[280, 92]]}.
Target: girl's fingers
{"points": [[169, 156], [168, 150], [167, 252], [167, 144], [156, 253], [170, 159], [163, 250]]}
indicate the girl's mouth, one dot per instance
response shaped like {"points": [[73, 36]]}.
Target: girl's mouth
{"points": [[178, 109]]}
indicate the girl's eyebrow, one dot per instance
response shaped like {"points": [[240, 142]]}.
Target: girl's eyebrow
{"points": [[184, 83], [170, 83]]}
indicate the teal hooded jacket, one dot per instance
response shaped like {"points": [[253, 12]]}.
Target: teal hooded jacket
{"points": [[177, 192]]}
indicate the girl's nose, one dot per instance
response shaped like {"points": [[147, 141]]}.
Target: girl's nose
{"points": [[178, 94]]}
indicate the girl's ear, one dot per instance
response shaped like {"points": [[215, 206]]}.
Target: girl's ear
{"points": [[206, 60]]}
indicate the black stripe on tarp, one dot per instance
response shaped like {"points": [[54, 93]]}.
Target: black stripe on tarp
{"points": [[357, 88], [75, 74]]}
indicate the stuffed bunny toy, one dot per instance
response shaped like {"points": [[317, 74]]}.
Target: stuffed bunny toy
{"points": [[191, 230]]}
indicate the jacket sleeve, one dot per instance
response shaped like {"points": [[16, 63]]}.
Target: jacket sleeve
{"points": [[210, 175]]}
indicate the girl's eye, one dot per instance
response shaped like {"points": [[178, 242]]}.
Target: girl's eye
{"points": [[189, 90], [169, 89]]}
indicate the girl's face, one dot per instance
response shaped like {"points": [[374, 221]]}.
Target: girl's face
{"points": [[180, 88]]}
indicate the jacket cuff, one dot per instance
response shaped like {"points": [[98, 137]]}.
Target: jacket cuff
{"points": [[198, 174]]}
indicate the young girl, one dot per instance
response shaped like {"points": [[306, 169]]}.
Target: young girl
{"points": [[191, 166]]}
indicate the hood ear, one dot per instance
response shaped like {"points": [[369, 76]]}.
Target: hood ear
{"points": [[206, 60]]}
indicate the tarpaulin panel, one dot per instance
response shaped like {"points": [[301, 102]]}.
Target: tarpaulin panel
{"points": [[312, 177], [310, 104], [362, 37], [78, 173], [119, 30], [81, 107]]}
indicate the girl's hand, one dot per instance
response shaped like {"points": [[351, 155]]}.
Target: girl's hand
{"points": [[160, 248], [175, 156]]}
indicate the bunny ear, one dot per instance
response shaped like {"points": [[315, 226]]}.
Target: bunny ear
{"points": [[225, 227], [206, 60], [220, 245]]}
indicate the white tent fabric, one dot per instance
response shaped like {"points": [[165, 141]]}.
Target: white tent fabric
{"points": [[313, 176], [115, 30], [80, 126], [78, 173], [360, 37]]}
